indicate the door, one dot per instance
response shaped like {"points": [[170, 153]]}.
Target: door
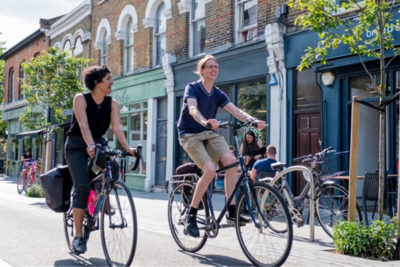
{"points": [[308, 135]]}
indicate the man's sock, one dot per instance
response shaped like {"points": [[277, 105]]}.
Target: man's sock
{"points": [[231, 211], [192, 211]]}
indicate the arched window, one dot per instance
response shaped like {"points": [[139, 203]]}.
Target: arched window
{"points": [[78, 48], [160, 41], [11, 86], [104, 49], [22, 77], [198, 13], [67, 47], [128, 47]]}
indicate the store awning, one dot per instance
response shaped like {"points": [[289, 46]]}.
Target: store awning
{"points": [[29, 134]]}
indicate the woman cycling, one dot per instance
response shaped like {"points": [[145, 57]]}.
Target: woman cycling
{"points": [[92, 114]]}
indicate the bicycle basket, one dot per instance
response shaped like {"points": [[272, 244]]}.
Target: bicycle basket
{"points": [[333, 164]]}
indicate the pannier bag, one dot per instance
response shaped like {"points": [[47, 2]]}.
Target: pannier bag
{"points": [[57, 184]]}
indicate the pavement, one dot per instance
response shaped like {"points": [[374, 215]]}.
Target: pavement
{"points": [[320, 252]]}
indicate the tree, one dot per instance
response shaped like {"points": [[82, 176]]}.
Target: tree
{"points": [[372, 16], [3, 124], [52, 80]]}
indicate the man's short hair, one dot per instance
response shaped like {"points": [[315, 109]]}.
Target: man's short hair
{"points": [[271, 149]]}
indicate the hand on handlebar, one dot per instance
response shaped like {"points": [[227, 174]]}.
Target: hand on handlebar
{"points": [[132, 151], [212, 124], [259, 124]]}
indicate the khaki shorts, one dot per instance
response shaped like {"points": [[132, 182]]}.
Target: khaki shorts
{"points": [[201, 153]]}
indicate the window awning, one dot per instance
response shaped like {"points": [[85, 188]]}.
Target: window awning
{"points": [[29, 134]]}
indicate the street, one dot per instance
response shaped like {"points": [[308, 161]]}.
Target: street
{"points": [[32, 235]]}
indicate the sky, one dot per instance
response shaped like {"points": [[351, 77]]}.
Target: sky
{"points": [[20, 18]]}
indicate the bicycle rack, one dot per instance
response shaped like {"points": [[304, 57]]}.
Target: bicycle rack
{"points": [[308, 176]]}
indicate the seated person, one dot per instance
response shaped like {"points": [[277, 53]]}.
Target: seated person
{"points": [[264, 165], [251, 149]]}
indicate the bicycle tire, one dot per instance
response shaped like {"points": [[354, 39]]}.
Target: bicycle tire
{"points": [[118, 228], [178, 205], [332, 206], [68, 221], [264, 245], [28, 183], [21, 183]]}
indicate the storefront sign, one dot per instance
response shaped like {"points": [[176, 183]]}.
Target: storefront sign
{"points": [[121, 97]]}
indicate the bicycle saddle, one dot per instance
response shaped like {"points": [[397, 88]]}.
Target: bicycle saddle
{"points": [[278, 166]]}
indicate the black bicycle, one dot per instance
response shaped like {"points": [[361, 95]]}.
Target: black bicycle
{"points": [[110, 209], [266, 239]]}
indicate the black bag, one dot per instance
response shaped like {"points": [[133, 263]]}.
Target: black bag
{"points": [[57, 184]]}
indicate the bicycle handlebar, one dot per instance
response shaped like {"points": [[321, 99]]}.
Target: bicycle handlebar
{"points": [[314, 157], [108, 151], [236, 125]]}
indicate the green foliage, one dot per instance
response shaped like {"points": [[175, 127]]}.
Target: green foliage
{"points": [[51, 83], [376, 241], [35, 191]]}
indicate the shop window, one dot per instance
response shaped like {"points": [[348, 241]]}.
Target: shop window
{"points": [[159, 36], [11, 86], [138, 131], [128, 47], [198, 26], [247, 19], [363, 87], [308, 94], [252, 99]]}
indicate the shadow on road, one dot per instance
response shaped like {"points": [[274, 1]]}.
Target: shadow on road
{"points": [[81, 261], [217, 260]]}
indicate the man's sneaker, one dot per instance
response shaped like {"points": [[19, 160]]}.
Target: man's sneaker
{"points": [[79, 245], [191, 226], [231, 220]]}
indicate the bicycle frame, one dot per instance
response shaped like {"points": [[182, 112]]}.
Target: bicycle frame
{"points": [[243, 182]]}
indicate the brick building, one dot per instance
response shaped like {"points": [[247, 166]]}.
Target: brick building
{"points": [[13, 103]]}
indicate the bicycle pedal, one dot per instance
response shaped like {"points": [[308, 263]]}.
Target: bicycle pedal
{"points": [[300, 222]]}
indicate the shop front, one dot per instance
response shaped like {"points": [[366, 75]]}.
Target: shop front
{"points": [[141, 97], [324, 93]]}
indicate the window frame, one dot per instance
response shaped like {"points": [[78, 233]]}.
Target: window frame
{"points": [[22, 77], [159, 36], [128, 47], [103, 49], [194, 22], [240, 29], [11, 85]]}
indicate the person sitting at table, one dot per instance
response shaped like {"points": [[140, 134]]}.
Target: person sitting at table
{"points": [[263, 166]]}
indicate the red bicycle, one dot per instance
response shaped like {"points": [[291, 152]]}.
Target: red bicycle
{"points": [[29, 176]]}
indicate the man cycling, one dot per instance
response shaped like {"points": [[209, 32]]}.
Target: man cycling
{"points": [[197, 124]]}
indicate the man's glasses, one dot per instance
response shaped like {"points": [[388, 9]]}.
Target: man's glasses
{"points": [[211, 67]]}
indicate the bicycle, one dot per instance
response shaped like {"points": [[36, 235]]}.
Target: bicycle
{"points": [[29, 176], [112, 210], [331, 199], [265, 240]]}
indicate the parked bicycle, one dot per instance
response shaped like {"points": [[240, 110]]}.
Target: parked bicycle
{"points": [[110, 209], [265, 240], [331, 199], [29, 176]]}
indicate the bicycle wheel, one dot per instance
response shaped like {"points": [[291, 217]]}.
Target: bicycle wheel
{"points": [[118, 226], [68, 220], [269, 240], [21, 183], [332, 205], [178, 205]]}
